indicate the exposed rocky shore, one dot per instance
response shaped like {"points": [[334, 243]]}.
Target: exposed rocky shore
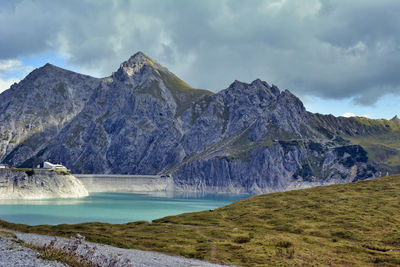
{"points": [[12, 253], [39, 184]]}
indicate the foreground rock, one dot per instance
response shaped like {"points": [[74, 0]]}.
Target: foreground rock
{"points": [[39, 184], [12, 253], [103, 255]]}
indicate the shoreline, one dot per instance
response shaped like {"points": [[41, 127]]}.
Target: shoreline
{"points": [[87, 252]]}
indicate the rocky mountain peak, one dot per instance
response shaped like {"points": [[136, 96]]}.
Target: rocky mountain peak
{"points": [[137, 64], [48, 65], [395, 119], [259, 83], [51, 68], [238, 87], [39, 71], [48, 71], [139, 59]]}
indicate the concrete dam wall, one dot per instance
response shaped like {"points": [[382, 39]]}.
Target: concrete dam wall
{"points": [[125, 183]]}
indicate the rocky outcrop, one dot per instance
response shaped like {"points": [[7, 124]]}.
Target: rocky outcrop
{"points": [[29, 184], [33, 111], [250, 137]]}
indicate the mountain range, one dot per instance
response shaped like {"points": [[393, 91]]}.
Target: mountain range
{"points": [[143, 119]]}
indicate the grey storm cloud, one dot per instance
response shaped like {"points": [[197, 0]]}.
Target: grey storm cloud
{"points": [[330, 49]]}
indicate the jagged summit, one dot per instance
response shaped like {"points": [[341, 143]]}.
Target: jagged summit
{"points": [[237, 85], [395, 119], [257, 83], [140, 59], [136, 64], [254, 85], [52, 70], [48, 67]]}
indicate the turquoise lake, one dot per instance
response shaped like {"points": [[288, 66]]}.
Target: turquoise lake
{"points": [[110, 207]]}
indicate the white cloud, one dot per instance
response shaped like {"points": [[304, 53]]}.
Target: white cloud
{"points": [[6, 83], [12, 71], [348, 115], [8, 65]]}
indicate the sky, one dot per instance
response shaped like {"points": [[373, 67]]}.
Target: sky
{"points": [[340, 57]]}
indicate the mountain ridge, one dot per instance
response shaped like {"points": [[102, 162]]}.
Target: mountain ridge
{"points": [[143, 119]]}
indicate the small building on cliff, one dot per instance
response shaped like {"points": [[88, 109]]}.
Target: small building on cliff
{"points": [[50, 166]]}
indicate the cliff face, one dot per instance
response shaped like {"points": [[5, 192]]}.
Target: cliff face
{"points": [[145, 120], [39, 185], [254, 138], [130, 124], [33, 111]]}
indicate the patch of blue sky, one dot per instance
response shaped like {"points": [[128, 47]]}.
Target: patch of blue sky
{"points": [[386, 107], [38, 60]]}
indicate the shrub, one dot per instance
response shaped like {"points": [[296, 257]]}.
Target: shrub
{"points": [[284, 244], [30, 172], [60, 172], [241, 239]]}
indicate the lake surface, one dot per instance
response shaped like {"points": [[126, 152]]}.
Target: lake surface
{"points": [[110, 207]]}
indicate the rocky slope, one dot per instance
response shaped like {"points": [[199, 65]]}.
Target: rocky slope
{"points": [[261, 140], [33, 111], [144, 120], [39, 185]]}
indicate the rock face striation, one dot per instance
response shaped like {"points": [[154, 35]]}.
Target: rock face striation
{"points": [[248, 138], [39, 185]]}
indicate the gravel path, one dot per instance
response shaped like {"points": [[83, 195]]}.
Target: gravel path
{"points": [[13, 254], [102, 255]]}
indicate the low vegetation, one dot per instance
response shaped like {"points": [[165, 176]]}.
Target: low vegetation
{"points": [[383, 148], [49, 252], [378, 123], [355, 224], [61, 172], [182, 93], [31, 172], [28, 171]]}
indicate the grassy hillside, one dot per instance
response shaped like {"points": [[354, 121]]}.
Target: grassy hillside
{"points": [[383, 147], [355, 224], [379, 137], [183, 93]]}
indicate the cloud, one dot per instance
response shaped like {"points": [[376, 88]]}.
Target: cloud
{"points": [[330, 49], [6, 83], [348, 115], [11, 71], [10, 64]]}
